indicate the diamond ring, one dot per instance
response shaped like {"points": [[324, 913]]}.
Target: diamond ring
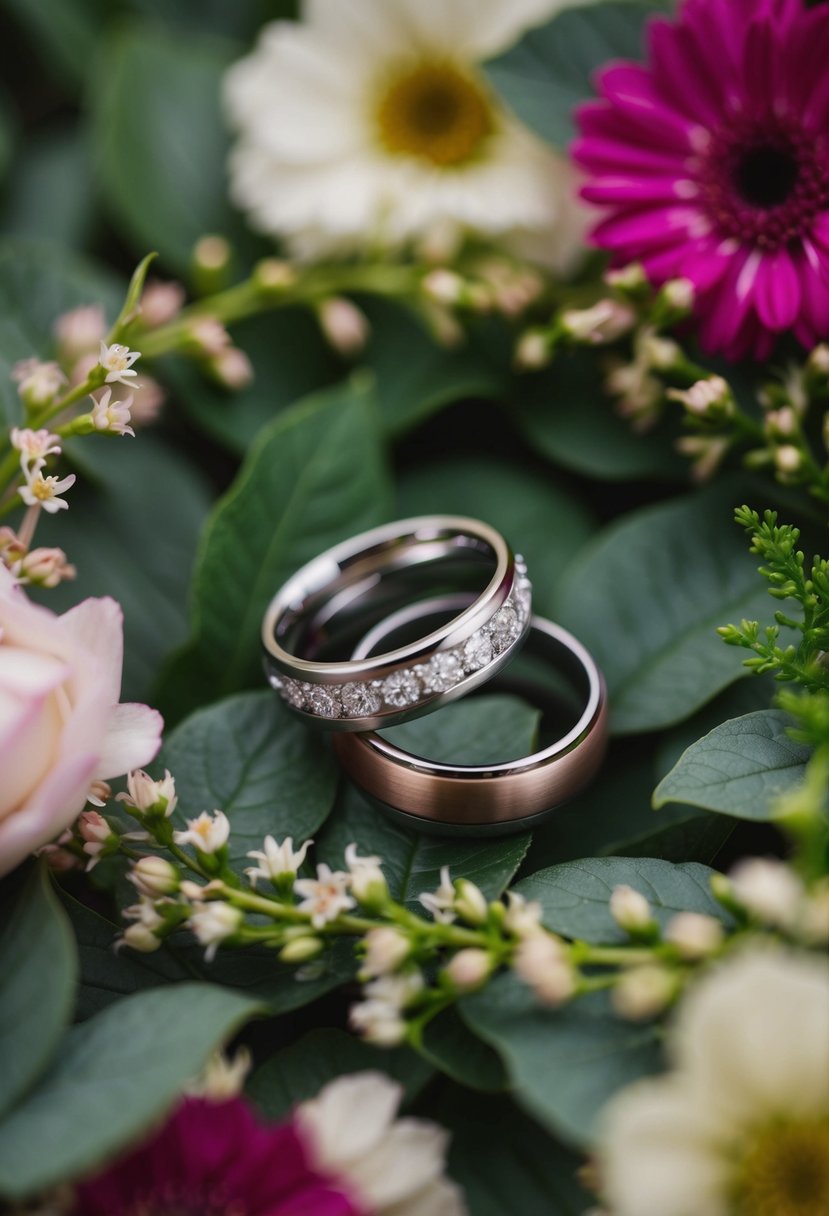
{"points": [[556, 673], [314, 621]]}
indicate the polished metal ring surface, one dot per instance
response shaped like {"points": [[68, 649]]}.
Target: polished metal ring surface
{"points": [[503, 796], [310, 627]]}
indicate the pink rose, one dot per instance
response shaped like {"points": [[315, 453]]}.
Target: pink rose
{"points": [[61, 726]]}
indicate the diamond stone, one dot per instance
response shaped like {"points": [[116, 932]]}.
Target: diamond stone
{"points": [[504, 628], [401, 688], [324, 701], [360, 700], [293, 692], [477, 652], [443, 671]]}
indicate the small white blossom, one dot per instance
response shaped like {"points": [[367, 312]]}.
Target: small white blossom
{"points": [[694, 934], [606, 321], [213, 923], [706, 398], [470, 902], [441, 903], [139, 937], [40, 491], [469, 968], [34, 446], [232, 368], [541, 961], [367, 879], [145, 794], [788, 460], [117, 361], [112, 416], [43, 567], [444, 286], [706, 452], [161, 302], [630, 909], [207, 833], [276, 860], [643, 992], [344, 325], [154, 877], [95, 833], [100, 793], [379, 1018], [768, 889], [385, 949], [679, 294], [533, 351], [208, 335], [522, 917], [79, 331], [212, 252], [145, 913], [38, 383], [325, 896]]}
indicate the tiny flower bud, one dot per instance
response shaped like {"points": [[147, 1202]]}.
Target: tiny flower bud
{"points": [[45, 568], [628, 279], [469, 969], [232, 368], [707, 453], [694, 935], [710, 398], [769, 890], [346, 328], [660, 354], [38, 383], [385, 949], [145, 796], [631, 911], [368, 883], [605, 322], [470, 902], [161, 302], [154, 876], [819, 360], [208, 336], [444, 286], [541, 961], [79, 331], [533, 351], [679, 295], [212, 253], [522, 917], [213, 923], [274, 274], [643, 992], [301, 949], [781, 424], [139, 937], [788, 460], [222, 1077]]}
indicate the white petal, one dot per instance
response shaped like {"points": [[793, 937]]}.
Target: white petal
{"points": [[132, 740], [97, 625], [659, 1154], [57, 802], [25, 673], [408, 1157], [754, 1036], [439, 1198], [360, 28], [337, 1135]]}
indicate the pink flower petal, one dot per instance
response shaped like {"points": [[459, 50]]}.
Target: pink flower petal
{"points": [[682, 74], [630, 89], [58, 801], [132, 740], [97, 625], [777, 291], [646, 190], [28, 673], [637, 232]]}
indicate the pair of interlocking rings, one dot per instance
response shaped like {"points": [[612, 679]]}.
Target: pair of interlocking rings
{"points": [[392, 625]]}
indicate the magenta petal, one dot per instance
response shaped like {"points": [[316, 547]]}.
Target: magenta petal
{"points": [[759, 66], [631, 91], [777, 290], [681, 75], [603, 155], [705, 262], [643, 190], [647, 229]]}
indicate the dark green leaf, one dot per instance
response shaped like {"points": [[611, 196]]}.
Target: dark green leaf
{"points": [[38, 971], [646, 597], [412, 862], [506, 1163], [451, 1046], [563, 1064], [143, 555], [263, 768], [742, 767], [551, 69], [63, 31], [161, 141], [543, 522], [113, 1077], [575, 896], [479, 730], [52, 192], [313, 478], [568, 418], [300, 1071]]}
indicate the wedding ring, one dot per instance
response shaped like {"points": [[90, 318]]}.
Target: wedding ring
{"points": [[504, 796], [311, 625]]}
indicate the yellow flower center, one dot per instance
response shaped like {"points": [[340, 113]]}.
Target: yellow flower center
{"points": [[435, 111], [786, 1173], [44, 488]]}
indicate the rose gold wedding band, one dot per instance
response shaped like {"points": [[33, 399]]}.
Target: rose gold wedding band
{"points": [[504, 796]]}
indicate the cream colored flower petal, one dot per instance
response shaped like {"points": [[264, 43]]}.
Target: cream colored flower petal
{"points": [[349, 1118], [97, 626], [753, 1036], [475, 29], [409, 1156], [361, 29], [439, 1198], [658, 1154], [132, 740], [54, 805]]}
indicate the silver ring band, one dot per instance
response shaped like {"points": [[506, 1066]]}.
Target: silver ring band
{"points": [[503, 796], [357, 584]]}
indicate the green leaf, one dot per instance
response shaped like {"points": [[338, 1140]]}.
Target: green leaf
{"points": [[478, 730], [575, 896], [505, 1162], [563, 1064], [113, 1077], [314, 477], [144, 554], [550, 70], [567, 417], [106, 976], [161, 141], [63, 31], [38, 282], [51, 194], [545, 523], [263, 768], [240, 19], [38, 970], [299, 1072], [450, 1045], [290, 360], [742, 767], [646, 597], [412, 862]]}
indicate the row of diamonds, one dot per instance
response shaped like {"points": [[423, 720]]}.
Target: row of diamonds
{"points": [[406, 687]]}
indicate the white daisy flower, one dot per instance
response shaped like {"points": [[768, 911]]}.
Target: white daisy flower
{"points": [[742, 1123], [371, 123]]}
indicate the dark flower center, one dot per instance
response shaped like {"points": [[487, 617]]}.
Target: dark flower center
{"points": [[763, 182], [766, 176]]}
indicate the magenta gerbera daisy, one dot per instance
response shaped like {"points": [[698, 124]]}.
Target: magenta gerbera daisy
{"points": [[712, 161]]}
